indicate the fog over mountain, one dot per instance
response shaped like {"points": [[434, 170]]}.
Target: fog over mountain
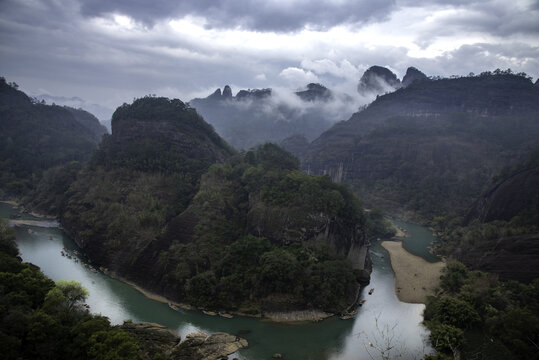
{"points": [[270, 159], [108, 52]]}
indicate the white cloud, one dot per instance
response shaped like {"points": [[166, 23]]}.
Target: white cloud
{"points": [[109, 52], [297, 77]]}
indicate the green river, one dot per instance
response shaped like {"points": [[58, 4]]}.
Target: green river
{"points": [[381, 318]]}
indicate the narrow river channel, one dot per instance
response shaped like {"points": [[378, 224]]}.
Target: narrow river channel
{"points": [[382, 316]]}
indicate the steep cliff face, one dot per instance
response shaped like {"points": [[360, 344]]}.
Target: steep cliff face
{"points": [[171, 122], [502, 227], [432, 146], [508, 197]]}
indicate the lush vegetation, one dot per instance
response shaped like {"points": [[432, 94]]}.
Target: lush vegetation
{"points": [[253, 233], [256, 237], [251, 238], [501, 232], [43, 320], [35, 137], [479, 317], [431, 148]]}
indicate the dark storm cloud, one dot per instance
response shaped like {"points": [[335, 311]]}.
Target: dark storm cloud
{"points": [[76, 48], [279, 16], [494, 18]]}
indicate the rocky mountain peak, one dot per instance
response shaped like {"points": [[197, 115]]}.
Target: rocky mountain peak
{"points": [[155, 125], [227, 92], [378, 79], [315, 92], [412, 74], [216, 95]]}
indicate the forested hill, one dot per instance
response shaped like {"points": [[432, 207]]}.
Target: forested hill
{"points": [[500, 234], [35, 137], [432, 147], [167, 204]]}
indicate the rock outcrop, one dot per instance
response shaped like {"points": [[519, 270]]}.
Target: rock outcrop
{"points": [[155, 339], [200, 346], [256, 116], [412, 74], [166, 121], [378, 80], [508, 197], [315, 92], [152, 338]]}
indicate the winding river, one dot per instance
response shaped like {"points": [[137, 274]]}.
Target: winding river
{"points": [[383, 317]]}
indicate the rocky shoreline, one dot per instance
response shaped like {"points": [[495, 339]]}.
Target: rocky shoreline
{"points": [[155, 339]]}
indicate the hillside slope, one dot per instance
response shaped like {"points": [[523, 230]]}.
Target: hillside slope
{"points": [[35, 137], [430, 148], [500, 234], [167, 204]]}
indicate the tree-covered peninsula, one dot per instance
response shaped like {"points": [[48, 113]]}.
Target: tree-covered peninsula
{"points": [[167, 204]]}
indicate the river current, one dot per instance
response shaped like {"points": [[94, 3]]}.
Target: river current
{"points": [[382, 318]]}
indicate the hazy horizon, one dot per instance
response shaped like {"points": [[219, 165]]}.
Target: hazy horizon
{"points": [[108, 52]]}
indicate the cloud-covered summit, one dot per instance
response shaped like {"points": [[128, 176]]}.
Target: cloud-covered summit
{"points": [[108, 52]]}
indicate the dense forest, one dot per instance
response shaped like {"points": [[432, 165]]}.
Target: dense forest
{"points": [[492, 314], [35, 137], [429, 149], [475, 316], [250, 233], [500, 234], [43, 320]]}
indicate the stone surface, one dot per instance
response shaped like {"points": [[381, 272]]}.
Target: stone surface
{"points": [[200, 346]]}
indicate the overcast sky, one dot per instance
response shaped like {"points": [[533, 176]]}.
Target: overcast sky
{"points": [[108, 52]]}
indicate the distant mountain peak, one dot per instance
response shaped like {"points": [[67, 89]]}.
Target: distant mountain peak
{"points": [[227, 92], [412, 74], [216, 95], [315, 92], [378, 79]]}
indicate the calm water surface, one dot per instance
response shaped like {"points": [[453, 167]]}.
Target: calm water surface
{"points": [[381, 317]]}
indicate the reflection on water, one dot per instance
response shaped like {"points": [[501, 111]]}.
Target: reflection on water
{"points": [[418, 240], [329, 339]]}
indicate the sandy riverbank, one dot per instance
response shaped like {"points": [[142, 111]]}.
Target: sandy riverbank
{"points": [[415, 278]]}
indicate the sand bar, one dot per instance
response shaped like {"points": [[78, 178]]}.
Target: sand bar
{"points": [[415, 278]]}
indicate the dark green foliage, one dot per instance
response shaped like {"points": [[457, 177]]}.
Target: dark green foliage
{"points": [[35, 137], [500, 234], [378, 226], [151, 208], [481, 317], [43, 320], [454, 276], [252, 237], [446, 338], [246, 234], [430, 148]]}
